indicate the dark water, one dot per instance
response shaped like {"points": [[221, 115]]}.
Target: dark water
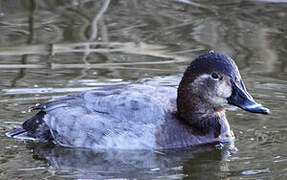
{"points": [[49, 48]]}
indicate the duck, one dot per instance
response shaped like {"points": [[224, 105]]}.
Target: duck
{"points": [[139, 116]]}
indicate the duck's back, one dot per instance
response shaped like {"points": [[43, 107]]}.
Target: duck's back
{"points": [[117, 117]]}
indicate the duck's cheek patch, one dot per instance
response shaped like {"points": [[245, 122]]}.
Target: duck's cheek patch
{"points": [[224, 90], [218, 101]]}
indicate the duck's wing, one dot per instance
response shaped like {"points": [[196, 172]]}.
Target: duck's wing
{"points": [[118, 117]]}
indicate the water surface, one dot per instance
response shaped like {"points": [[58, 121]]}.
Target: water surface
{"points": [[53, 48]]}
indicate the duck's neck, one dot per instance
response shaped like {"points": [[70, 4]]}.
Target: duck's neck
{"points": [[201, 115], [192, 107]]}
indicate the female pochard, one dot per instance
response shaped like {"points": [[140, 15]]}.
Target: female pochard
{"points": [[147, 117]]}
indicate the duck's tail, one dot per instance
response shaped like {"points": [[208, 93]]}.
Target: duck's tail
{"points": [[20, 133], [17, 132], [32, 129]]}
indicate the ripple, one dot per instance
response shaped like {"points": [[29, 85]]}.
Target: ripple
{"points": [[255, 171]]}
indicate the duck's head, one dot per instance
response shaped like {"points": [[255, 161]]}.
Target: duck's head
{"points": [[211, 81]]}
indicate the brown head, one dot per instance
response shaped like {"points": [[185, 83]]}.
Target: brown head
{"points": [[211, 81]]}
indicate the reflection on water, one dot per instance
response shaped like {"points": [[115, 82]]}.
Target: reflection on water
{"points": [[84, 163], [51, 48]]}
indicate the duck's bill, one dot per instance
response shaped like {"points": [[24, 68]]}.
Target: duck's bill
{"points": [[241, 98]]}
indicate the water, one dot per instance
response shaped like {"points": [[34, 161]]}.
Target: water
{"points": [[49, 48]]}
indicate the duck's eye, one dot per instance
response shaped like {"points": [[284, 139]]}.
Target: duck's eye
{"points": [[215, 76]]}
